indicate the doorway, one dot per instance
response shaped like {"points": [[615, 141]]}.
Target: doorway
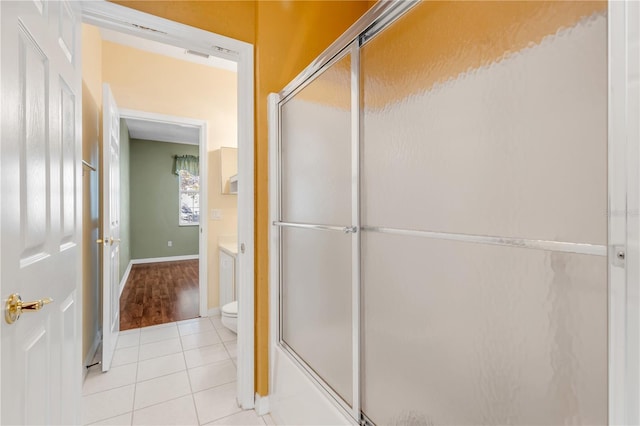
{"points": [[117, 18]]}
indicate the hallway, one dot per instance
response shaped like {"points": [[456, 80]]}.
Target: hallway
{"points": [[177, 373]]}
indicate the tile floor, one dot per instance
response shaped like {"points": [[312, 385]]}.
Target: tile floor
{"points": [[180, 373]]}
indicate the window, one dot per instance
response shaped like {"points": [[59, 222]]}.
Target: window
{"points": [[189, 198]]}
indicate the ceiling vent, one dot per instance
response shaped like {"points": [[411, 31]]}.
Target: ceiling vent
{"points": [[196, 53], [143, 28]]}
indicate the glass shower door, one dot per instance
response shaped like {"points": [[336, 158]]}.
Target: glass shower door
{"points": [[316, 239], [484, 226]]}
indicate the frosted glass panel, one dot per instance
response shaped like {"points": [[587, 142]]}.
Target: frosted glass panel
{"points": [[460, 334], [316, 150], [499, 129], [316, 303]]}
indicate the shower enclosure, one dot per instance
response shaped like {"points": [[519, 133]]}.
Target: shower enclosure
{"points": [[441, 215]]}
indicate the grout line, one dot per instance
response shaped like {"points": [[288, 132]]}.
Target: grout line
{"points": [[109, 418], [193, 400], [160, 403], [235, 414], [135, 385], [107, 390]]}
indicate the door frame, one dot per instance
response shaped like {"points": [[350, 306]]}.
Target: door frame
{"points": [[119, 18], [624, 207], [623, 22], [204, 183]]}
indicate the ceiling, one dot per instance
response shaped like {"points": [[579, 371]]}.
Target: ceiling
{"points": [[163, 132]]}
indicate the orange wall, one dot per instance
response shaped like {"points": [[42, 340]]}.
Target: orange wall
{"points": [[287, 36], [235, 19], [290, 34]]}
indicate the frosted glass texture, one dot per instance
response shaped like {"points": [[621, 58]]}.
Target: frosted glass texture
{"points": [[510, 145], [462, 334], [316, 303], [316, 150], [492, 131]]}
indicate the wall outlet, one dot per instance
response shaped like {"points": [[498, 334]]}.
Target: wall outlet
{"points": [[216, 214], [169, 243]]}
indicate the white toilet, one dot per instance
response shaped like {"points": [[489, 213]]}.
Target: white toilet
{"points": [[230, 316]]}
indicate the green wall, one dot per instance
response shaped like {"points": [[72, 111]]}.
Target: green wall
{"points": [[154, 201], [125, 233]]}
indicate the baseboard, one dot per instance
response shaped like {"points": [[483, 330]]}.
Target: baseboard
{"points": [[165, 259], [124, 279], [262, 405], [213, 312], [91, 354]]}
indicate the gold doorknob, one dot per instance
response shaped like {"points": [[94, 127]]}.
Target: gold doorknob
{"points": [[15, 306], [109, 240]]}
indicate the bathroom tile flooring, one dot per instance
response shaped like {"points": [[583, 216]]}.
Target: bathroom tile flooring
{"points": [[180, 373]]}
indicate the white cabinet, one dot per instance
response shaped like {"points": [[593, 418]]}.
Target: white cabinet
{"points": [[227, 277]]}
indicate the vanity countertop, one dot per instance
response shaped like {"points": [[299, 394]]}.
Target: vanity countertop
{"points": [[230, 247]]}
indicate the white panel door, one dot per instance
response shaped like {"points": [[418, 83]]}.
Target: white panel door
{"points": [[111, 226], [40, 175]]}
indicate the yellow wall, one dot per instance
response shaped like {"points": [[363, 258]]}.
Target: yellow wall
{"points": [[151, 82], [91, 142], [287, 36]]}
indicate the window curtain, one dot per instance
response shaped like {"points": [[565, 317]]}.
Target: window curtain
{"points": [[190, 163]]}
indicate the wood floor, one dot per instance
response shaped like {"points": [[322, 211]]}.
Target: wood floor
{"points": [[158, 293]]}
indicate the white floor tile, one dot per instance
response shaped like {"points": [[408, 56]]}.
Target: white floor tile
{"points": [[232, 348], [104, 405], [150, 335], [268, 420], [128, 340], [130, 331], [212, 375], [199, 325], [191, 320], [157, 349], [161, 389], [205, 355], [243, 418], [199, 340], [97, 381], [125, 356], [122, 420], [227, 335], [161, 366], [181, 411], [216, 403], [217, 322], [157, 326]]}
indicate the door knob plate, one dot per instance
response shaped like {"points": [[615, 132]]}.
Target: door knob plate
{"points": [[15, 306]]}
